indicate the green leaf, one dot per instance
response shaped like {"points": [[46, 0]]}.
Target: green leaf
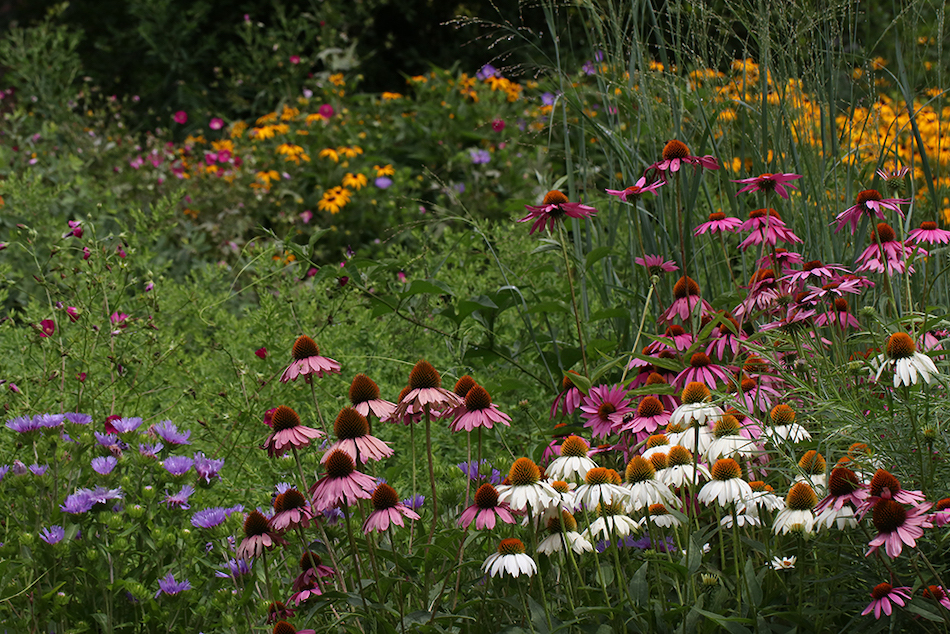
{"points": [[639, 589], [431, 286], [730, 624], [383, 305], [752, 583], [580, 381], [548, 307], [596, 255]]}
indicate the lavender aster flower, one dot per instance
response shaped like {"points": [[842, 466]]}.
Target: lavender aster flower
{"points": [[414, 503], [177, 465], [235, 568], [383, 182], [101, 495], [52, 535], [207, 468], [19, 468], [180, 499], [23, 425], [3, 471], [209, 518], [78, 419], [168, 432], [168, 585], [126, 425], [48, 420], [38, 470], [150, 451], [77, 503], [104, 465]]}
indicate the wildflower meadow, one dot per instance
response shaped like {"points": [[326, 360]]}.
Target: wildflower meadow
{"points": [[638, 324]]}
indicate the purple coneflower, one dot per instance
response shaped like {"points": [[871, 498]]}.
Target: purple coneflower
{"points": [[766, 226], [426, 392], [290, 511], [768, 183], [676, 154], [686, 297], [288, 432], [387, 509], [634, 192], [342, 483], [569, 397], [553, 208], [307, 361], [478, 411], [882, 596], [718, 222], [603, 409], [929, 233], [258, 537], [364, 396], [352, 431], [870, 204]]}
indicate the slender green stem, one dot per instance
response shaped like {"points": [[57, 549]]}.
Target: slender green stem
{"points": [[570, 283], [435, 502], [316, 406]]}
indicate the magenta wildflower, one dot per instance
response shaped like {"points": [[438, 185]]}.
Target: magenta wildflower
{"points": [[656, 265], [718, 223], [387, 509], [768, 183], [929, 233], [895, 252], [180, 117], [478, 411], [288, 432], [486, 509], [898, 525], [258, 537], [364, 396], [342, 483], [426, 392], [676, 154], [937, 593], [766, 226], [353, 438], [291, 511], [216, 123], [47, 328], [703, 370], [686, 297], [307, 361], [553, 208], [634, 192], [604, 408], [882, 596], [869, 204], [569, 398]]}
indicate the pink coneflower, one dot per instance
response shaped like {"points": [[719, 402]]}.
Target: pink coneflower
{"points": [[364, 395], [814, 271], [882, 596], [929, 233], [290, 511], [342, 483], [897, 526], [634, 192], [768, 183], [783, 257], [485, 509], [936, 593], [718, 223], [603, 409], [844, 491], [353, 438], [569, 397], [884, 486], [941, 514], [869, 204], [426, 392], [478, 411], [756, 395], [288, 432], [838, 314], [258, 537], [656, 265], [765, 293], [311, 571], [387, 509], [726, 336], [307, 361], [675, 338], [676, 154], [701, 369], [553, 208], [766, 226], [649, 416], [895, 252], [686, 297], [283, 627]]}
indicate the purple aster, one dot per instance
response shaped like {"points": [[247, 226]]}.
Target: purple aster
{"points": [[110, 442], [209, 518], [52, 535], [487, 71], [78, 502], [168, 432], [479, 157], [235, 568], [3, 471], [78, 419], [126, 425], [180, 499], [548, 99], [38, 470], [48, 420], [150, 451], [414, 503], [207, 468], [168, 585], [332, 515], [383, 182], [19, 468], [101, 495], [103, 465], [177, 465], [23, 425]]}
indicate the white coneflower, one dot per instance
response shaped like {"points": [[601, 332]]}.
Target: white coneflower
{"points": [[728, 442], [510, 559], [657, 443], [762, 497], [643, 489], [812, 466], [601, 486], [746, 515], [693, 417], [901, 353], [659, 515], [563, 531], [784, 563], [680, 471], [611, 523], [727, 486], [798, 514], [784, 426], [573, 463], [527, 488]]}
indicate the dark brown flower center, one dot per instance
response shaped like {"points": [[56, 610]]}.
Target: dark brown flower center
{"points": [[880, 591], [304, 348], [811, 266], [605, 410], [675, 150], [843, 481], [574, 446], [649, 406], [883, 233], [762, 213], [841, 304], [888, 515], [363, 389], [477, 399], [801, 497], [463, 385], [699, 360], [639, 469], [761, 275], [306, 564], [866, 195], [350, 424], [658, 460], [283, 627], [884, 480], [424, 376], [900, 346], [284, 418], [685, 287], [288, 500], [255, 524], [675, 331], [928, 226], [486, 497], [384, 497], [718, 215], [554, 197], [339, 464]]}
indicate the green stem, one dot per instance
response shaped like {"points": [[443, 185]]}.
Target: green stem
{"points": [[570, 283]]}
